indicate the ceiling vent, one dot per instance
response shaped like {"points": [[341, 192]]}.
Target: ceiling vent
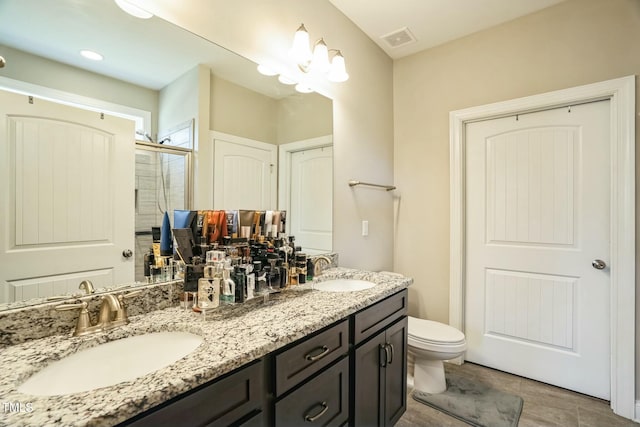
{"points": [[399, 37]]}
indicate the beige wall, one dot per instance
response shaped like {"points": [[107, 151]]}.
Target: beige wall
{"points": [[304, 116], [36, 70], [571, 44], [240, 111], [362, 106]]}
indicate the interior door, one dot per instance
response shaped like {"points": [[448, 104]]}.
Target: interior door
{"points": [[311, 198], [537, 217], [244, 175], [67, 198]]}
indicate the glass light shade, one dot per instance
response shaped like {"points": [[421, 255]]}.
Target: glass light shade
{"points": [[265, 70], [320, 62], [338, 72], [302, 88], [300, 51], [133, 10]]}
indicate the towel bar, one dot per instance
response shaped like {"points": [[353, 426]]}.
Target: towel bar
{"points": [[353, 183]]}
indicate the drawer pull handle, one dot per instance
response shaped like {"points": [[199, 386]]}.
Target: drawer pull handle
{"points": [[311, 419], [390, 346], [323, 353], [384, 357]]}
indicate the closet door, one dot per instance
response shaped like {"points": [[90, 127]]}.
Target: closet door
{"points": [[66, 198]]}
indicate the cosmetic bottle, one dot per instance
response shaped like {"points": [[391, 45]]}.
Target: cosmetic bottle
{"points": [[240, 279], [228, 287], [149, 261], [251, 281], [310, 269], [301, 266], [261, 278], [208, 293]]}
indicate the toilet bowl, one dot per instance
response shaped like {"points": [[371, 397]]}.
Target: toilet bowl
{"points": [[430, 343]]}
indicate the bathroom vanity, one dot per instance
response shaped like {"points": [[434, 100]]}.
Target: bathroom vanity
{"points": [[306, 356]]}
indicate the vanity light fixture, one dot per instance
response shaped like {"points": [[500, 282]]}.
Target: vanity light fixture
{"points": [[318, 60], [312, 64], [133, 10]]}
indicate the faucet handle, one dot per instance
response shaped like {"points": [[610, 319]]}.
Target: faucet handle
{"points": [[121, 316], [72, 306], [84, 321]]}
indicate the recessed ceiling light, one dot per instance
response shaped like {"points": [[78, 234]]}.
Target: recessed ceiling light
{"points": [[89, 54], [133, 10]]}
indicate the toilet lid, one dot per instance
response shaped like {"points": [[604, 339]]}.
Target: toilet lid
{"points": [[430, 331]]}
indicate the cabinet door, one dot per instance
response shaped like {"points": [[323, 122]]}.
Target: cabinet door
{"points": [[395, 372], [369, 383], [380, 395]]}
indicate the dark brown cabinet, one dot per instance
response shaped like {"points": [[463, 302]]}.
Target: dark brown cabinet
{"points": [[310, 355], [322, 401], [353, 372], [224, 402], [380, 365]]}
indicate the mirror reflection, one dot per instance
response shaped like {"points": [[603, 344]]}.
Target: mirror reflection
{"points": [[202, 115]]}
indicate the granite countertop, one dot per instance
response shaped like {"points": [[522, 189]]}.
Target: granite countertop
{"points": [[233, 336]]}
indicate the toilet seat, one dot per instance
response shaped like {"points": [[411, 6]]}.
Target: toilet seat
{"points": [[434, 336]]}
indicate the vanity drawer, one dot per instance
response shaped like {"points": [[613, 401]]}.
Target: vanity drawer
{"points": [[322, 401], [380, 315], [304, 359], [221, 403]]}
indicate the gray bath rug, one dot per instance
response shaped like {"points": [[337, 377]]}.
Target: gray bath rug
{"points": [[474, 403]]}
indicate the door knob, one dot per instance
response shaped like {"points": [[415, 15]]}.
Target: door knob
{"points": [[127, 253], [598, 264]]}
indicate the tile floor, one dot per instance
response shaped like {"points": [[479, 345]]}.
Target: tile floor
{"points": [[544, 405]]}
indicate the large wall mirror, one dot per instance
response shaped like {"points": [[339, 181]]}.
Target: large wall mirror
{"points": [[178, 87]]}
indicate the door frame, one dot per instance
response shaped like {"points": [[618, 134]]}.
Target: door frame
{"points": [[621, 94]]}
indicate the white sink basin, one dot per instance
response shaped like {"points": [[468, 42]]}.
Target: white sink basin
{"points": [[111, 363], [343, 285]]}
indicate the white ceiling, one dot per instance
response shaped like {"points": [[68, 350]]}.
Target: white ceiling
{"points": [[432, 22], [146, 52]]}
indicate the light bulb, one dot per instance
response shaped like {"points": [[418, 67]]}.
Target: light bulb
{"points": [[265, 70], [302, 88], [286, 80], [89, 54], [133, 10]]}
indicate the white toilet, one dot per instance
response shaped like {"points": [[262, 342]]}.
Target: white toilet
{"points": [[430, 343]]}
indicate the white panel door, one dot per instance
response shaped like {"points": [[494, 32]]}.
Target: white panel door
{"points": [[244, 175], [537, 215], [67, 198], [311, 199]]}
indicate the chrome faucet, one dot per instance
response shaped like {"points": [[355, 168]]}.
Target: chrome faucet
{"points": [[112, 313], [319, 267]]}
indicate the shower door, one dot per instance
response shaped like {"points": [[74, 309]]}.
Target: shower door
{"points": [[162, 185]]}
